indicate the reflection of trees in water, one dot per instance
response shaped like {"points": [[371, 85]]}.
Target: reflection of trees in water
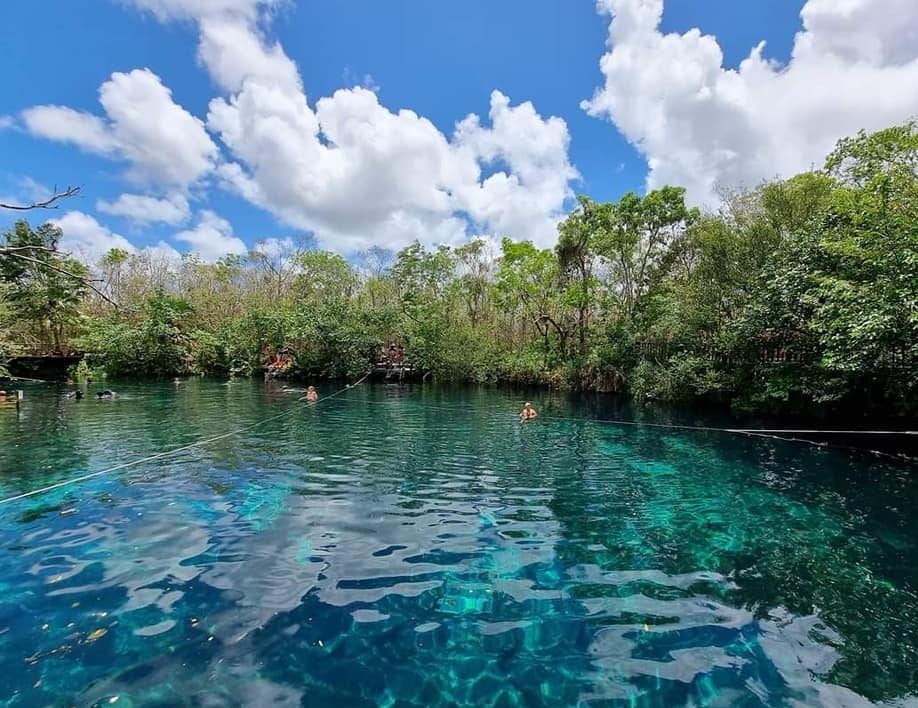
{"points": [[793, 529], [56, 438]]}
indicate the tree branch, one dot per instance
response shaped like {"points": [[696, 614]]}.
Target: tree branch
{"points": [[12, 250], [86, 281], [50, 203]]}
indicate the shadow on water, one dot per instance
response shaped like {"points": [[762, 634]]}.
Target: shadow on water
{"points": [[420, 546]]}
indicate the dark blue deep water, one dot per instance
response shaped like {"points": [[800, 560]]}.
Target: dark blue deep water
{"points": [[422, 547]]}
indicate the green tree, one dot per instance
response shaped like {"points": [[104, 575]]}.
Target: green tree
{"points": [[44, 288]]}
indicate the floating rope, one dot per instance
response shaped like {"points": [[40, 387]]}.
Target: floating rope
{"points": [[678, 426], [776, 434], [158, 456], [772, 434]]}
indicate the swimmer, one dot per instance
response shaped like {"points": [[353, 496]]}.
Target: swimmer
{"points": [[105, 394], [528, 412], [311, 394], [177, 381]]}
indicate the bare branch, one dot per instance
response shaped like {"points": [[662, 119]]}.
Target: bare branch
{"points": [[50, 203], [11, 250]]}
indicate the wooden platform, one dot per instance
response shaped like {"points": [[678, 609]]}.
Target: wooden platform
{"points": [[392, 373], [52, 367]]}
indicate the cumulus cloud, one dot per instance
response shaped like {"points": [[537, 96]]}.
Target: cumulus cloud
{"points": [[163, 143], [172, 210], [87, 239], [355, 172], [197, 9], [701, 125], [529, 197], [68, 125], [212, 237]]}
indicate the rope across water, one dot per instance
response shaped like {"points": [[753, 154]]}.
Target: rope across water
{"points": [[765, 433], [167, 453]]}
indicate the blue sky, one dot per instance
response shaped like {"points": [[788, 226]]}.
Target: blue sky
{"points": [[440, 60]]}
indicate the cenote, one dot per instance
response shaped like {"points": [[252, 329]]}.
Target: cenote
{"points": [[419, 546]]}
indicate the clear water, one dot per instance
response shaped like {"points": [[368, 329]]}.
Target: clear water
{"points": [[421, 547]]}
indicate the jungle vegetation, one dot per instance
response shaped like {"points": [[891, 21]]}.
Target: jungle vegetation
{"points": [[796, 296]]}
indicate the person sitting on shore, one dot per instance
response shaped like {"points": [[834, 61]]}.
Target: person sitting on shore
{"points": [[529, 413], [312, 395]]}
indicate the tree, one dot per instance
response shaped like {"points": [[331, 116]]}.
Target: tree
{"points": [[634, 236], [324, 277], [158, 344], [527, 281], [278, 263], [45, 289], [576, 251]]}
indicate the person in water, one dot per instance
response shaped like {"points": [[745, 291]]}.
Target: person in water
{"points": [[311, 394], [529, 412], [105, 394]]}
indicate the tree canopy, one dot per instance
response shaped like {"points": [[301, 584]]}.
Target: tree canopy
{"points": [[798, 295]]}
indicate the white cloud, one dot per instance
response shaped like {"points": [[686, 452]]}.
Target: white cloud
{"points": [[344, 167], [87, 239], [67, 125], [357, 173], [197, 9], [212, 238], [172, 210], [163, 142], [529, 198], [701, 125], [7, 122]]}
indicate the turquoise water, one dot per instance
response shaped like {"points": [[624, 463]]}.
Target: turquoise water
{"points": [[422, 547]]}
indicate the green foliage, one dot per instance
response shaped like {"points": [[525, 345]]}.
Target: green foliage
{"points": [[156, 345], [799, 295], [683, 378], [43, 290]]}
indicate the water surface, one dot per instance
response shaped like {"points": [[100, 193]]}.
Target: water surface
{"points": [[422, 547]]}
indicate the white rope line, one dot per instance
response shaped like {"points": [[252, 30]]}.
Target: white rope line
{"points": [[754, 432], [749, 432], [764, 432], [199, 443]]}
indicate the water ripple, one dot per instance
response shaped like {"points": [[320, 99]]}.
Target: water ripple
{"points": [[379, 552]]}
